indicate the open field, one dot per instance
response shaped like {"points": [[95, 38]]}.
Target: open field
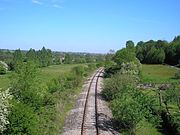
{"points": [[45, 75], [54, 71], [158, 74]]}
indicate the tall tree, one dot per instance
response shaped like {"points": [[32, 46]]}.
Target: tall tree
{"points": [[17, 58]]}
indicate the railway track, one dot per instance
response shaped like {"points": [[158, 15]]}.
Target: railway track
{"points": [[90, 114], [85, 118]]}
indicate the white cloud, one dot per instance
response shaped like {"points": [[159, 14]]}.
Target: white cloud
{"points": [[37, 2], [57, 6]]}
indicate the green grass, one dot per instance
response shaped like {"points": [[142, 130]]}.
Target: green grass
{"points": [[45, 75], [4, 81], [158, 74], [147, 129], [55, 71]]}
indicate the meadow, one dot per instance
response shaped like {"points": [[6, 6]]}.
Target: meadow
{"points": [[158, 74], [45, 74]]}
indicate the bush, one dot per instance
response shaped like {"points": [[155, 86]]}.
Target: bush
{"points": [[91, 66], [2, 70], [22, 120], [131, 68], [116, 85], [78, 70], [127, 112], [177, 75], [53, 86], [132, 106], [4, 109]]}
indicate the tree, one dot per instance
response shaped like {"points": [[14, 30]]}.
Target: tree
{"points": [[31, 55], [68, 59], [45, 57], [108, 58], [25, 85], [17, 58], [130, 44], [23, 120], [124, 55]]}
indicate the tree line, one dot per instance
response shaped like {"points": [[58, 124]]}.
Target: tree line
{"points": [[45, 57], [159, 52]]}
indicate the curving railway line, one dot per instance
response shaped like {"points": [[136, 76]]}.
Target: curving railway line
{"points": [[89, 114]]}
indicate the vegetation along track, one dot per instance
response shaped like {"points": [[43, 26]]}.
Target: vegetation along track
{"points": [[90, 115]]}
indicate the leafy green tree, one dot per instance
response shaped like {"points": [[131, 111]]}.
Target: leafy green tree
{"points": [[159, 56], [130, 45], [139, 53], [23, 120], [31, 55], [25, 85], [45, 57], [108, 58], [124, 55], [18, 58], [68, 59]]}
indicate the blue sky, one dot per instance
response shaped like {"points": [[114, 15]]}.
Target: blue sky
{"points": [[86, 25]]}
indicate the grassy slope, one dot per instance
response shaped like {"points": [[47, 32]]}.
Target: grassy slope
{"points": [[46, 74], [4, 81], [54, 71], [147, 129], [158, 74]]}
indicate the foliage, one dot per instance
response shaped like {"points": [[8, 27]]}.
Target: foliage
{"points": [[124, 55], [130, 68], [116, 84], [177, 75], [108, 59], [22, 119], [129, 106], [18, 58], [4, 109], [28, 98], [158, 52], [78, 70], [31, 55], [25, 85], [45, 57], [2, 69]]}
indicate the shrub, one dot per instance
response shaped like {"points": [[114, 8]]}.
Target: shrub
{"points": [[53, 85], [116, 85], [78, 70], [127, 112], [132, 106], [4, 109], [22, 120], [131, 68], [2, 70], [177, 75], [26, 87]]}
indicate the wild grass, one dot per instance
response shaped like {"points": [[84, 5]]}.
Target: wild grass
{"points": [[147, 129], [46, 74], [158, 74], [54, 71], [4, 81]]}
